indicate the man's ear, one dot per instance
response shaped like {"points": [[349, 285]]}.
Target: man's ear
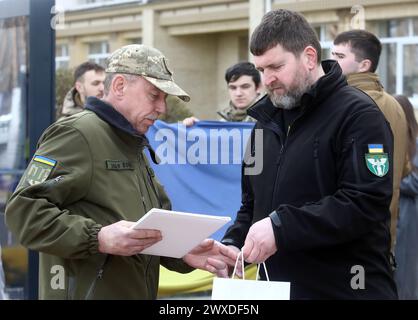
{"points": [[79, 87], [309, 56], [118, 85], [365, 65]]}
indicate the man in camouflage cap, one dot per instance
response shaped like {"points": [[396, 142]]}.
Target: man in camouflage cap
{"points": [[89, 179]]}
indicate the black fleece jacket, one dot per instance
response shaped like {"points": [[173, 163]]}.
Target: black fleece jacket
{"points": [[329, 212]]}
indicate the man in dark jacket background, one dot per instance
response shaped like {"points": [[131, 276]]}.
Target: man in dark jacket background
{"points": [[318, 212]]}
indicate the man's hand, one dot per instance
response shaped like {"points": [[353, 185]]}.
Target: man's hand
{"points": [[119, 239], [188, 122], [260, 243], [212, 256]]}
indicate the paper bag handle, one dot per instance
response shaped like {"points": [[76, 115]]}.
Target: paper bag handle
{"points": [[243, 271], [265, 271], [236, 264]]}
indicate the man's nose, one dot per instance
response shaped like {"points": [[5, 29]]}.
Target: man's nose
{"points": [[161, 107], [268, 78]]}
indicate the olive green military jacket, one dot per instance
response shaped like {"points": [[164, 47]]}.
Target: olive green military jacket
{"points": [[89, 171], [234, 114]]}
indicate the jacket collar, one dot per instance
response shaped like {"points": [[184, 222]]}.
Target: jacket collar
{"points": [[365, 81], [72, 101], [332, 80], [108, 114]]}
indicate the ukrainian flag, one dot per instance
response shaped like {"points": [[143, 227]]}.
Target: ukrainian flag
{"points": [[375, 148], [50, 162]]}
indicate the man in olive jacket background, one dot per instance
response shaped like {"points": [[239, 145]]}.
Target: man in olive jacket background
{"points": [[89, 179], [358, 53]]}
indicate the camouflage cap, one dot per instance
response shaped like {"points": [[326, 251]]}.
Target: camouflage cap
{"points": [[148, 62]]}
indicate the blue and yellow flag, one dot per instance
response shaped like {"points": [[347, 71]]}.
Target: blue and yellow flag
{"points": [[375, 148]]}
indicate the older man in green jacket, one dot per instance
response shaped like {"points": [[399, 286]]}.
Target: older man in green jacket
{"points": [[89, 179]]}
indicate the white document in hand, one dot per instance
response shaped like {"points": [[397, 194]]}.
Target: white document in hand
{"points": [[181, 231]]}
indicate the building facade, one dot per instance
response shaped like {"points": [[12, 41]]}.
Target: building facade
{"points": [[201, 38]]}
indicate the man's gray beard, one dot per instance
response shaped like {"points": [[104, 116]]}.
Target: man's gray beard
{"points": [[290, 100], [286, 102]]}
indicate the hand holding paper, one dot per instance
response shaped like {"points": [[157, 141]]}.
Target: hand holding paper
{"points": [[212, 256], [260, 243], [120, 239], [181, 231]]}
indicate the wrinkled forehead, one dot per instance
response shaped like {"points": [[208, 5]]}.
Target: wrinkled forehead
{"points": [[273, 57]]}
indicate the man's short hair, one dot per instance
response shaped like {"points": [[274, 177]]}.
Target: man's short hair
{"points": [[84, 67], [240, 69], [287, 28], [364, 45]]}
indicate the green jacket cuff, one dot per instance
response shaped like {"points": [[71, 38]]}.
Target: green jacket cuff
{"points": [[93, 240]]}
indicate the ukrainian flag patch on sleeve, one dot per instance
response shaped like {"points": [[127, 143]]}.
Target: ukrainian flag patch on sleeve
{"points": [[375, 148], [39, 170], [48, 161], [377, 161]]}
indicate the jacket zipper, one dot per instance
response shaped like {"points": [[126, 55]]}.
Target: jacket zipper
{"points": [[149, 178], [355, 160], [140, 158], [279, 162], [99, 276], [154, 188], [318, 168]]}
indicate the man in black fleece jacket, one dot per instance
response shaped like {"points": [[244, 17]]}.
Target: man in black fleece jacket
{"points": [[317, 212]]}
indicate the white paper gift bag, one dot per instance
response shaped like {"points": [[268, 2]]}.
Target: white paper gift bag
{"points": [[241, 289]]}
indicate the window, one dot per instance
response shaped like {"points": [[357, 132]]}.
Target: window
{"points": [[398, 66], [415, 26], [387, 67], [62, 57], [98, 52], [326, 34]]}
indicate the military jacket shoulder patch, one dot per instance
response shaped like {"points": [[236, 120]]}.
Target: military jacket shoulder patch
{"points": [[376, 160], [39, 169]]}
